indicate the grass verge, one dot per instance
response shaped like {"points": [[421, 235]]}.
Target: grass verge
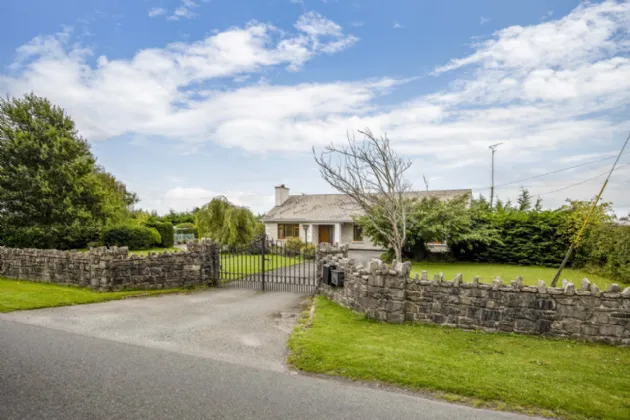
{"points": [[535, 375], [18, 295], [488, 272]]}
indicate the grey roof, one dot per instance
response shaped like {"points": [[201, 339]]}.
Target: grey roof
{"points": [[335, 207]]}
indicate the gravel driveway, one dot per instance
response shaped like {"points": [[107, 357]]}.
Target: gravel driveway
{"points": [[233, 325]]}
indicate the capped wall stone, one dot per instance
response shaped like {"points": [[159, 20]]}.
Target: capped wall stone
{"points": [[388, 294]]}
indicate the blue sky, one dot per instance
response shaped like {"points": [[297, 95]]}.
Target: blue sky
{"points": [[187, 99]]}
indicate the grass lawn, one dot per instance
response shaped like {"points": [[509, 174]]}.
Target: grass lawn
{"points": [[488, 272], [145, 252], [17, 295], [236, 266], [504, 371]]}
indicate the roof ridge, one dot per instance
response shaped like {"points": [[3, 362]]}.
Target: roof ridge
{"points": [[415, 191]]}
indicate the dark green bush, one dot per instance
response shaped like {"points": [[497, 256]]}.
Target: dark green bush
{"points": [[134, 237], [166, 231]]}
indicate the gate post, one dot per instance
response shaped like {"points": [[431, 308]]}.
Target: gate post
{"points": [[263, 238]]}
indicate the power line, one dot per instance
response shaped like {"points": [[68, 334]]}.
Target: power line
{"points": [[579, 183], [549, 173], [588, 216]]}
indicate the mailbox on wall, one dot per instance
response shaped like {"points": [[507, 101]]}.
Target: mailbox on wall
{"points": [[327, 272], [336, 277]]}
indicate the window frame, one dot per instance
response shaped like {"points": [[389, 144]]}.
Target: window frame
{"points": [[284, 228], [356, 228]]}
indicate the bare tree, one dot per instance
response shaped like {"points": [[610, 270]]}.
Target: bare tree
{"points": [[372, 174]]}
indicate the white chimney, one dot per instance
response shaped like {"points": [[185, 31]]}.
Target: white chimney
{"points": [[282, 194]]}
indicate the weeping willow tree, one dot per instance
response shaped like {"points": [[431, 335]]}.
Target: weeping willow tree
{"points": [[227, 223]]}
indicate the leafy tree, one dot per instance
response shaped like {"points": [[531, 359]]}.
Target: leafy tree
{"points": [[432, 219], [176, 218], [538, 205], [52, 194], [524, 200], [119, 201], [227, 223]]}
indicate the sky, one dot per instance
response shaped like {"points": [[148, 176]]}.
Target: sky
{"points": [[184, 100]]}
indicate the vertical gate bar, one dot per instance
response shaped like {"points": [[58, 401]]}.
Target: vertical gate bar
{"points": [[263, 261]]}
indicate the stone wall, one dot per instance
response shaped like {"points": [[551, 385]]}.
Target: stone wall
{"points": [[387, 293], [110, 269]]}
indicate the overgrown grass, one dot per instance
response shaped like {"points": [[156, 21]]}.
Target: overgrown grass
{"points": [[19, 295], [488, 272], [504, 371], [237, 266]]}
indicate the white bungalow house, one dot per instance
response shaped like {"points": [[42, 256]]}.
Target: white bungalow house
{"points": [[328, 218]]}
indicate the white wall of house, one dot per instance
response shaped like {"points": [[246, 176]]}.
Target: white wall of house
{"points": [[271, 229], [343, 233], [347, 237]]}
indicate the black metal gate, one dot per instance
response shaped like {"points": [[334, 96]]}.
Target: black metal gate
{"points": [[269, 265]]}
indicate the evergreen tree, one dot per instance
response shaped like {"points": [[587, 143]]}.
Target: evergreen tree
{"points": [[524, 200]]}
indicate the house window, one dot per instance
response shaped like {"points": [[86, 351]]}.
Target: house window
{"points": [[357, 233], [288, 231]]}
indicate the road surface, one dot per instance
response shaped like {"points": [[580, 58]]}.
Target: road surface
{"points": [[209, 355]]}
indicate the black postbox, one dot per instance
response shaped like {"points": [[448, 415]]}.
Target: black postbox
{"points": [[336, 277], [327, 272]]}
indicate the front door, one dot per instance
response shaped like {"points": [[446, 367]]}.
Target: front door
{"points": [[325, 234]]}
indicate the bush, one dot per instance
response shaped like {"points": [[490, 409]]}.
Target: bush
{"points": [[308, 251], [293, 244], [134, 237], [157, 238], [166, 231]]}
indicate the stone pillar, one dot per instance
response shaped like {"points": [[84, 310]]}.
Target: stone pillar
{"points": [[337, 234]]}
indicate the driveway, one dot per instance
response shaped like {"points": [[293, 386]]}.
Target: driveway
{"points": [[364, 256], [238, 326]]}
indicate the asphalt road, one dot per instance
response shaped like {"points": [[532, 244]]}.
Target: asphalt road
{"points": [[52, 374], [238, 326]]}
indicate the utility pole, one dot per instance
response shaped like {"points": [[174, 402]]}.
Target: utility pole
{"points": [[494, 149]]}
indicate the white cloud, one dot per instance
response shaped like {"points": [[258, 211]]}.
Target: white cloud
{"points": [[297, 1], [187, 198], [397, 25], [546, 91], [357, 23], [157, 11], [483, 20], [184, 11], [148, 93]]}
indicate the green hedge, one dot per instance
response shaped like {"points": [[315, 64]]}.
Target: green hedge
{"points": [[134, 237], [166, 230]]}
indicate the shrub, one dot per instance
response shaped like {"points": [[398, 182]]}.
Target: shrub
{"points": [[157, 238], [134, 237], [308, 251], [293, 244], [166, 231]]}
